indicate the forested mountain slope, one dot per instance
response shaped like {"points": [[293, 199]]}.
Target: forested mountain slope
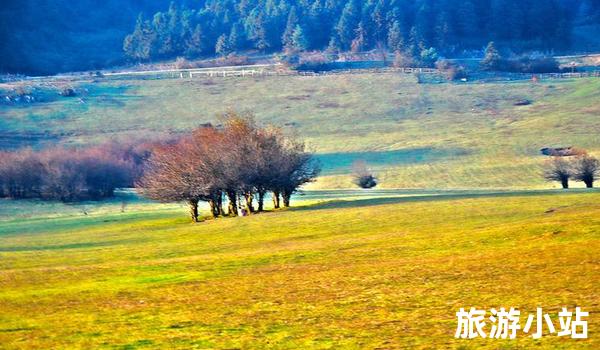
{"points": [[48, 36], [45, 36]]}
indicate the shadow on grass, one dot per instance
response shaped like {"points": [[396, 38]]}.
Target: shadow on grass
{"points": [[341, 162], [342, 204], [82, 245]]}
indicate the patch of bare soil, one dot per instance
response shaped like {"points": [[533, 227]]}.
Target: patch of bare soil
{"points": [[298, 97]]}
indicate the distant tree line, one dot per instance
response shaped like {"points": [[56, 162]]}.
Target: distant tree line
{"points": [[418, 29], [69, 174], [239, 162], [49, 36]]}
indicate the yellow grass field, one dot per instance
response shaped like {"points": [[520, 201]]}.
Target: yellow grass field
{"points": [[383, 273]]}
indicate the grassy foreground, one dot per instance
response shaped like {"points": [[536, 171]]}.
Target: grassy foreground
{"points": [[376, 273]]}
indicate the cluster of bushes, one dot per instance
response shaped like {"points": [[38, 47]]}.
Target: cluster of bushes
{"points": [[493, 61], [582, 168], [69, 174], [229, 60], [416, 57], [239, 161]]}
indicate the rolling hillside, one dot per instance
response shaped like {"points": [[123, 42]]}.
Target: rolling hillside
{"points": [[468, 135]]}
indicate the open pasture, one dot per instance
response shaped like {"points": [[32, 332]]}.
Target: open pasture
{"points": [[451, 135], [372, 273]]}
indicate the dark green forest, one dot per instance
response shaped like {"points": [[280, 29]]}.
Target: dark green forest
{"points": [[47, 36]]}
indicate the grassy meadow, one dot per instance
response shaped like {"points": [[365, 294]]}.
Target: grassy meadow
{"points": [[459, 219], [457, 136], [362, 274]]}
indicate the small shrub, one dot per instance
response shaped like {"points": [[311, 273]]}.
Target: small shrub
{"points": [[363, 177], [233, 60], [67, 92], [532, 64], [403, 60], [429, 57], [524, 102], [182, 63], [366, 181], [450, 70]]}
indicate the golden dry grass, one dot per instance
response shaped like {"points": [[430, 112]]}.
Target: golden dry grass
{"points": [[376, 273]]}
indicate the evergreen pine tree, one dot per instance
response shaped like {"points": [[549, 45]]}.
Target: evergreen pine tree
{"points": [[236, 37], [414, 44], [395, 38], [262, 38], [290, 27], [492, 59], [194, 45], [359, 42], [222, 47], [133, 41], [299, 40], [347, 24], [334, 45]]}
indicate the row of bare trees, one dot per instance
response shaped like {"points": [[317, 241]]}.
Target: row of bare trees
{"points": [[239, 161], [69, 174], [582, 168]]}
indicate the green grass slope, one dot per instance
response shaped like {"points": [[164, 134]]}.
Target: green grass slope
{"points": [[415, 135], [374, 273]]}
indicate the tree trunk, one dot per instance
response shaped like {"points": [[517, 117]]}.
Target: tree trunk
{"points": [[261, 200], [565, 183], [219, 202], [286, 198], [589, 183], [232, 198], [249, 199], [193, 203], [214, 209], [276, 199], [212, 205]]}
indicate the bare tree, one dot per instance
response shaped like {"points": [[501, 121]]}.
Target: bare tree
{"points": [[363, 177], [586, 169], [206, 150], [172, 175], [558, 169], [240, 157], [269, 155], [240, 160], [295, 167]]}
